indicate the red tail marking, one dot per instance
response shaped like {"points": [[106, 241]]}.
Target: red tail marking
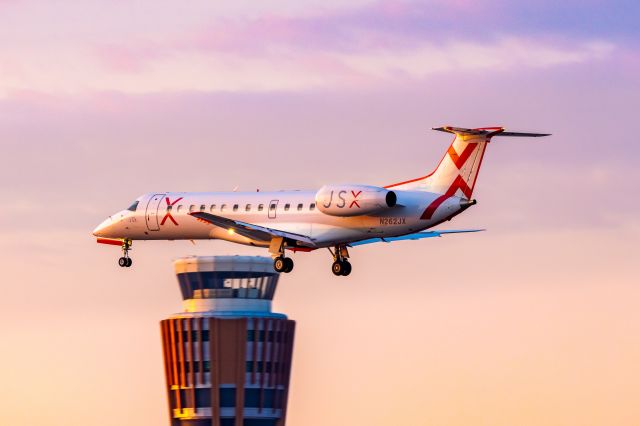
{"points": [[460, 184], [168, 215], [460, 160], [355, 195]]}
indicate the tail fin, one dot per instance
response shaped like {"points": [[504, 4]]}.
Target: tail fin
{"points": [[458, 170]]}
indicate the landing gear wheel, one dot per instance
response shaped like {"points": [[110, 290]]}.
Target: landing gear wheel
{"points": [[346, 268], [279, 264], [129, 262], [288, 265], [123, 262], [337, 268]]}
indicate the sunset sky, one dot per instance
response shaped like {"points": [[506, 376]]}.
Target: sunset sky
{"points": [[535, 321]]}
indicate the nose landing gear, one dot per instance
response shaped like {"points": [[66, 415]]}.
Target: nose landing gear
{"points": [[125, 261], [340, 266]]}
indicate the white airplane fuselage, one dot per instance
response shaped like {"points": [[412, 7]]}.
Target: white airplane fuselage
{"points": [[165, 216]]}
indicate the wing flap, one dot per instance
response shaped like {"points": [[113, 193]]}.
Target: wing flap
{"points": [[249, 230]]}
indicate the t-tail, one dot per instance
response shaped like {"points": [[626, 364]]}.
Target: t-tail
{"points": [[457, 173]]}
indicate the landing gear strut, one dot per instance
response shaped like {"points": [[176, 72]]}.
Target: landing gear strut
{"points": [[125, 261], [281, 263], [340, 266]]}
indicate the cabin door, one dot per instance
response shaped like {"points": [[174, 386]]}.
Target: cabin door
{"points": [[151, 215]]}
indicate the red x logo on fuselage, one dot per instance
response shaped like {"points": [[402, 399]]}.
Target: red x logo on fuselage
{"points": [[355, 201], [168, 215]]}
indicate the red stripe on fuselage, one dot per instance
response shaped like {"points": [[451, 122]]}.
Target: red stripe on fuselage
{"points": [[110, 241]]}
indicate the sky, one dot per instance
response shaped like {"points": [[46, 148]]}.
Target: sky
{"points": [[534, 321]]}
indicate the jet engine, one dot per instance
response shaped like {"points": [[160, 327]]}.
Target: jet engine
{"points": [[354, 200]]}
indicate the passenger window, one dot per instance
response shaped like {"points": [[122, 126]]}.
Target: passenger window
{"points": [[179, 208], [312, 206], [235, 207], [192, 208], [222, 207], [286, 207], [272, 206], [202, 208], [213, 207], [169, 208], [300, 207], [260, 207], [248, 207]]}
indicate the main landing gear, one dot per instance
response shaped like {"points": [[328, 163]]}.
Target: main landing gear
{"points": [[283, 264], [340, 266], [125, 261]]}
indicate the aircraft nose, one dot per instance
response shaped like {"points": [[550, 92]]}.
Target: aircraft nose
{"points": [[102, 229]]}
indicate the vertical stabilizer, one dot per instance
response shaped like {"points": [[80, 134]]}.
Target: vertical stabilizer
{"points": [[458, 170]]}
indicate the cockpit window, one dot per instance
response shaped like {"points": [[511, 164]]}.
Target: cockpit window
{"points": [[133, 206]]}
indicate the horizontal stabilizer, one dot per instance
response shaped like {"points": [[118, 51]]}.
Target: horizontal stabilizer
{"points": [[414, 236], [487, 131], [523, 134]]}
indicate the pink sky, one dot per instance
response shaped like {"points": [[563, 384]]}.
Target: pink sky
{"points": [[533, 322]]}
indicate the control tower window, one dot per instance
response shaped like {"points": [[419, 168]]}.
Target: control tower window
{"points": [[133, 206]]}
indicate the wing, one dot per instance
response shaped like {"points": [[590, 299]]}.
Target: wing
{"points": [[255, 232], [415, 236]]}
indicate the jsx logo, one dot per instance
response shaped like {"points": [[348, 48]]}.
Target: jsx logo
{"points": [[169, 208], [343, 201]]}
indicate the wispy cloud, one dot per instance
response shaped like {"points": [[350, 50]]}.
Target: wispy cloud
{"points": [[383, 42]]}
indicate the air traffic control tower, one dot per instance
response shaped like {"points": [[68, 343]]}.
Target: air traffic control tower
{"points": [[227, 357]]}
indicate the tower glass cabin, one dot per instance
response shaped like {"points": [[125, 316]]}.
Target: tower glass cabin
{"points": [[227, 357]]}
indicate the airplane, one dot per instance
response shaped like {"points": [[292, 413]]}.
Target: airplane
{"points": [[338, 216]]}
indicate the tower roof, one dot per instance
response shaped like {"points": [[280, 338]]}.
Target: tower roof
{"points": [[238, 264]]}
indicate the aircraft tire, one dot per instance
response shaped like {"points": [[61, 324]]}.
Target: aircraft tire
{"points": [[122, 262], [279, 264], [288, 265], [129, 262], [346, 268], [337, 268]]}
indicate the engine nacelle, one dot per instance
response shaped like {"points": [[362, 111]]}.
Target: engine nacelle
{"points": [[354, 200]]}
